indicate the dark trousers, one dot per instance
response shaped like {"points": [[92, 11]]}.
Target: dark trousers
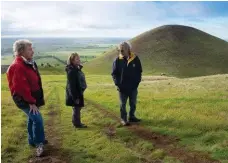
{"points": [[76, 116], [132, 102]]}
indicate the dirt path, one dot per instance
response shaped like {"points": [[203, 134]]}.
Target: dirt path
{"points": [[53, 151], [167, 143]]}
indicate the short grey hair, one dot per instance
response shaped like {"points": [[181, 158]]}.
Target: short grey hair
{"points": [[20, 45]]}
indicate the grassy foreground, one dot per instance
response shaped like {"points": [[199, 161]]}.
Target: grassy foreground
{"points": [[194, 110]]}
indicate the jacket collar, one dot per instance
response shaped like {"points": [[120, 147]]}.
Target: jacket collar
{"points": [[26, 61], [21, 59], [79, 67], [130, 58]]}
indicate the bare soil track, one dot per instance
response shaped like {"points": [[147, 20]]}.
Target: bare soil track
{"points": [[168, 143], [53, 151]]}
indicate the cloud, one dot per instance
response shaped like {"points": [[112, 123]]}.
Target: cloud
{"points": [[125, 19], [63, 16]]}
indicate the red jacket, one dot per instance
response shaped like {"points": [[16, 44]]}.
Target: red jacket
{"points": [[25, 83]]}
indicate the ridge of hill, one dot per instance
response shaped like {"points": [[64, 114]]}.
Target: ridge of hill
{"points": [[174, 50]]}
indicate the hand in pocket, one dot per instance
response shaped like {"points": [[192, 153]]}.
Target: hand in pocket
{"points": [[77, 101]]}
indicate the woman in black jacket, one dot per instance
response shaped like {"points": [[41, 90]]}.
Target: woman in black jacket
{"points": [[76, 85]]}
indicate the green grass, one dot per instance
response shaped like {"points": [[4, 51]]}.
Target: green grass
{"points": [[90, 145], [7, 60], [80, 51], [14, 145], [194, 109], [93, 145], [51, 61], [89, 53], [63, 55]]}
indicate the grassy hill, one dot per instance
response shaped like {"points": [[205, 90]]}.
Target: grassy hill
{"points": [[183, 121], [174, 50]]}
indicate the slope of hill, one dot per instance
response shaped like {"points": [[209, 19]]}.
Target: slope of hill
{"points": [[174, 50]]}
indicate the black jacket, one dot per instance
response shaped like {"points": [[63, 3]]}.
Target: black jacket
{"points": [[73, 88], [127, 74]]}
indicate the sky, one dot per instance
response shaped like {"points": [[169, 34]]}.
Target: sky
{"points": [[109, 19]]}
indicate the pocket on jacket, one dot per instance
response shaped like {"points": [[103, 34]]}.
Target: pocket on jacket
{"points": [[19, 101], [38, 95]]}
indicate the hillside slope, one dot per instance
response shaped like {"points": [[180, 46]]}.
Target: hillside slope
{"points": [[174, 50]]}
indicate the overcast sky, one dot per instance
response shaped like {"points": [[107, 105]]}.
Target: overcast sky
{"points": [[109, 19]]}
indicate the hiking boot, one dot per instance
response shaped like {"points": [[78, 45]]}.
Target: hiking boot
{"points": [[134, 119], [40, 150], [125, 123], [81, 126], [33, 145]]}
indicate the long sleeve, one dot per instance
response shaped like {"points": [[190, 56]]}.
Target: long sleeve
{"points": [[21, 86], [115, 73], [139, 70]]}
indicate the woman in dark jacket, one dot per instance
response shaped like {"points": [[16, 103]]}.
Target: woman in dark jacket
{"points": [[76, 85]]}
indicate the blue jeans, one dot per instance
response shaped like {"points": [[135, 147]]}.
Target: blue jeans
{"points": [[35, 127], [132, 102]]}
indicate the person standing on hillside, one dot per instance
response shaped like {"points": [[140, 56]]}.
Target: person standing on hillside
{"points": [[26, 89], [126, 74], [76, 85]]}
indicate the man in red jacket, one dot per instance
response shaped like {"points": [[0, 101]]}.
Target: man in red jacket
{"points": [[26, 90]]}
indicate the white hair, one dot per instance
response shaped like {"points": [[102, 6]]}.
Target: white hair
{"points": [[125, 44], [20, 45]]}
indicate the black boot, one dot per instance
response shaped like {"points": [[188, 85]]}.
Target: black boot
{"points": [[81, 126], [134, 119]]}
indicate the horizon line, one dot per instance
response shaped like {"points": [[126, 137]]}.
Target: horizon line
{"points": [[17, 36]]}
